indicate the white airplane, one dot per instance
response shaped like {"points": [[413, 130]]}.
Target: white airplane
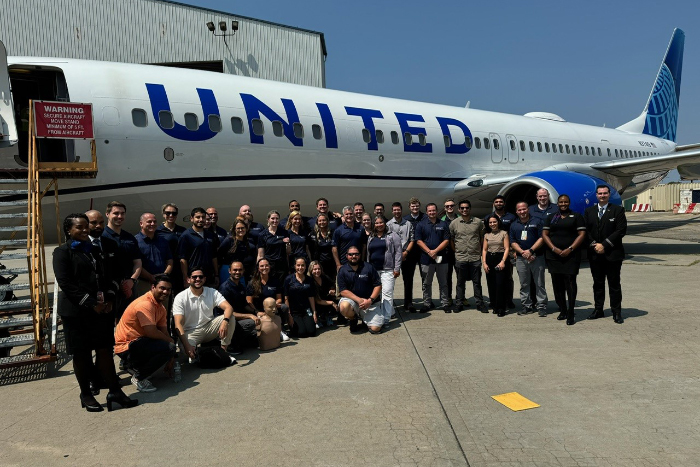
{"points": [[199, 138]]}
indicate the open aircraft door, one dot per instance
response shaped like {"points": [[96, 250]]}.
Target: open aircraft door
{"points": [[8, 126]]}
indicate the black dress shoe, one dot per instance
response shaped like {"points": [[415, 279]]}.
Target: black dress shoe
{"points": [[411, 309], [447, 309], [570, 321], [597, 314], [424, 309], [617, 317], [562, 316], [90, 404], [121, 399], [94, 388], [458, 309], [501, 313]]}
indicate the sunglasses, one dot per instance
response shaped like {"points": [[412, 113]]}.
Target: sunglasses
{"points": [[449, 206], [170, 213], [197, 277], [464, 208], [353, 254]]}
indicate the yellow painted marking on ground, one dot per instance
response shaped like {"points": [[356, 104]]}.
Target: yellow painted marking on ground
{"points": [[515, 401]]}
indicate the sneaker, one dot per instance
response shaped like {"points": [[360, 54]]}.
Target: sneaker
{"points": [[319, 325], [284, 336], [458, 309], [525, 311], [233, 360], [543, 313], [341, 320], [143, 386], [385, 326], [482, 308]]}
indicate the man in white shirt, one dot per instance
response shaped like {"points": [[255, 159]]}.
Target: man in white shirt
{"points": [[193, 311]]}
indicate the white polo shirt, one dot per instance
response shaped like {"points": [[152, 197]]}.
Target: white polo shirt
{"points": [[197, 311]]}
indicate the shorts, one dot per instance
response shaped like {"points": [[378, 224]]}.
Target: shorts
{"points": [[372, 316]]}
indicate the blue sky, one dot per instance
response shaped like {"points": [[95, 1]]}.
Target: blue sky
{"points": [[589, 62]]}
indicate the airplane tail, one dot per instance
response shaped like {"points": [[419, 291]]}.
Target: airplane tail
{"points": [[660, 115]]}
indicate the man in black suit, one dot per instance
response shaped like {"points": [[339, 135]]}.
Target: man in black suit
{"points": [[606, 224]]}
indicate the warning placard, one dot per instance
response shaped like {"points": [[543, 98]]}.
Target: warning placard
{"points": [[63, 120]]}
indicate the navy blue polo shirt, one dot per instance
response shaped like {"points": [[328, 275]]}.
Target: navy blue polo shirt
{"points": [[172, 236], [254, 231], [155, 252], [321, 247], [269, 290], [273, 244], [533, 227], [220, 232], [298, 245], [432, 234], [234, 294], [246, 252], [198, 250], [376, 249], [298, 293], [506, 221], [344, 237], [361, 282], [543, 214], [120, 249]]}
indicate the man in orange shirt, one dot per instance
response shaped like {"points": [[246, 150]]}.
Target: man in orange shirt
{"points": [[141, 337]]}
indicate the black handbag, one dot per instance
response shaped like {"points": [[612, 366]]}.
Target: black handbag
{"points": [[214, 358]]}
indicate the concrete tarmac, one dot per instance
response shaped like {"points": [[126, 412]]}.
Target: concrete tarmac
{"points": [[418, 394]]}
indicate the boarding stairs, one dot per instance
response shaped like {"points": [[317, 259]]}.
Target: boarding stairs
{"points": [[28, 318]]}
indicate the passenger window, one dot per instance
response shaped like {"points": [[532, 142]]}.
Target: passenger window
{"points": [[522, 145], [214, 123], [626, 154], [394, 137], [554, 148], [512, 145], [366, 136], [408, 138], [616, 154], [468, 142], [277, 128], [139, 117], [587, 153], [298, 130], [477, 143], [380, 136], [446, 139], [487, 143], [580, 150], [546, 147], [421, 139], [600, 154], [539, 147], [573, 148], [609, 153], [495, 144], [316, 131], [532, 146], [166, 119], [237, 125], [191, 121], [258, 127], [561, 148], [567, 149]]}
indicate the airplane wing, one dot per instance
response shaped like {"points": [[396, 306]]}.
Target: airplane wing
{"points": [[683, 156]]}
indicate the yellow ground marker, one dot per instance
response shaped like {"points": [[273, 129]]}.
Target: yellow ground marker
{"points": [[515, 401]]}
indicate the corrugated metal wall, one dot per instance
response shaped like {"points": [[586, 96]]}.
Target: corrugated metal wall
{"points": [[153, 31], [663, 197]]}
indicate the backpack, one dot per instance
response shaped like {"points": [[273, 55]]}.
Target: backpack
{"points": [[214, 358]]}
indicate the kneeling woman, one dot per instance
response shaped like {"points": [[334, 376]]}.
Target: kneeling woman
{"points": [[299, 295], [85, 306]]}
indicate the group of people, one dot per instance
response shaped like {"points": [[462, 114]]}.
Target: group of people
{"points": [[171, 286]]}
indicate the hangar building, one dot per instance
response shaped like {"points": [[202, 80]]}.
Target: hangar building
{"points": [[164, 33]]}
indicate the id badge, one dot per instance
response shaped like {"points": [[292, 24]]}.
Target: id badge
{"points": [[523, 235]]}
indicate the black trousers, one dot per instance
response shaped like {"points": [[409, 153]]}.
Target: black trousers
{"points": [[496, 281], [146, 355], [408, 270], [564, 286], [601, 269], [304, 325]]}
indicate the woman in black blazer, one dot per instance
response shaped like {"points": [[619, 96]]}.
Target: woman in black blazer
{"points": [[85, 307]]}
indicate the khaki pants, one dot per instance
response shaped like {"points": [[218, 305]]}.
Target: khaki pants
{"points": [[209, 332]]}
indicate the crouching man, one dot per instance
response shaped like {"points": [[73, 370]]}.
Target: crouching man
{"points": [[360, 288], [141, 338], [193, 312]]}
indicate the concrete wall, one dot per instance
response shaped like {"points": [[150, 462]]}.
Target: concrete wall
{"points": [[156, 31]]}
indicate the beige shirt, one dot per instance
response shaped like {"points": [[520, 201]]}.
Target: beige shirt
{"points": [[269, 333], [467, 236], [495, 241]]}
